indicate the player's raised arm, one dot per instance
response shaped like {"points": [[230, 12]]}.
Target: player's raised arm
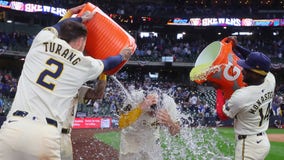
{"points": [[98, 91], [126, 119], [114, 61], [84, 18], [75, 10], [71, 11], [239, 50]]}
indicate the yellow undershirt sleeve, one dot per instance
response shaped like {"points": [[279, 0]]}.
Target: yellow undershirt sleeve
{"points": [[103, 77], [130, 117], [67, 15]]}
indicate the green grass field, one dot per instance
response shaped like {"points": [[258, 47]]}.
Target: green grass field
{"points": [[276, 150], [224, 138]]}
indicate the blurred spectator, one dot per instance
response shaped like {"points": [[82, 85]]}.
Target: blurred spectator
{"points": [[1, 106], [96, 108]]}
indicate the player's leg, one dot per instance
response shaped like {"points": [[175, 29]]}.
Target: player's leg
{"points": [[50, 143], [8, 140], [66, 147], [29, 139], [258, 146], [252, 147], [239, 149]]}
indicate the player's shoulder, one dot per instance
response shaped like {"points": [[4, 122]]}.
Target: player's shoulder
{"points": [[92, 61], [51, 29], [270, 78], [46, 34], [240, 94], [243, 90]]}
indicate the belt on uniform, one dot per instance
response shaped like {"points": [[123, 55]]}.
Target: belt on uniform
{"points": [[65, 130], [240, 137], [24, 114]]}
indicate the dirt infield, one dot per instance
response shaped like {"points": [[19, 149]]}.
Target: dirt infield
{"points": [[85, 147], [276, 137]]}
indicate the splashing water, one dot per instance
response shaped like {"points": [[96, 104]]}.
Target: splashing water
{"points": [[196, 143], [132, 96], [127, 94], [193, 143]]}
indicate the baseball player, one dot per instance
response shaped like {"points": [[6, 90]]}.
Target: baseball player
{"points": [[85, 93], [250, 106], [55, 68], [140, 134]]}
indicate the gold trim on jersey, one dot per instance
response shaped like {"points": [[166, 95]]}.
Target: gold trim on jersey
{"points": [[51, 29]]}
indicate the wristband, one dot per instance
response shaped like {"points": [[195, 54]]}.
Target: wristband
{"points": [[103, 77]]}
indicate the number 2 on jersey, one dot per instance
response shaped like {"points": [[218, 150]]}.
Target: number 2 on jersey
{"points": [[262, 116], [49, 73]]}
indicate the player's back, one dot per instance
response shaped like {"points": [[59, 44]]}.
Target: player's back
{"points": [[51, 76], [256, 102]]}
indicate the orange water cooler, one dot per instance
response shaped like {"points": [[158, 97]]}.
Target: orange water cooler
{"points": [[105, 37], [217, 64]]}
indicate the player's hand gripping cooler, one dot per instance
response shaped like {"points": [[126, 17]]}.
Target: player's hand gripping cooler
{"points": [[217, 64], [105, 37]]}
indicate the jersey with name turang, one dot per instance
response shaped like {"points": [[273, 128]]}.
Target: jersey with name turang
{"points": [[51, 76], [250, 107]]}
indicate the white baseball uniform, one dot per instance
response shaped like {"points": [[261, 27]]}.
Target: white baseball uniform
{"points": [[141, 139], [66, 142], [52, 74], [250, 107]]}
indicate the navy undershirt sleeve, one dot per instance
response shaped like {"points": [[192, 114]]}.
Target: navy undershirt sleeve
{"points": [[112, 62], [57, 25], [241, 52]]}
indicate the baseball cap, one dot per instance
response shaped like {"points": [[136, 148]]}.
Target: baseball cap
{"points": [[256, 62]]}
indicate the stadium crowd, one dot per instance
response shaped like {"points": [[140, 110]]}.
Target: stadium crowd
{"points": [[187, 50], [195, 103], [153, 48], [16, 41]]}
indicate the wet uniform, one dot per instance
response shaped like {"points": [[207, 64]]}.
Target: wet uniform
{"points": [[66, 143], [140, 140]]}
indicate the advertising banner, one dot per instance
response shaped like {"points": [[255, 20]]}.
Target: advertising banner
{"points": [[96, 122]]}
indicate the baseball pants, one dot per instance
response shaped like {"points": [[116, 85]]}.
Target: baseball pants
{"points": [[22, 138], [66, 147], [252, 147]]}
